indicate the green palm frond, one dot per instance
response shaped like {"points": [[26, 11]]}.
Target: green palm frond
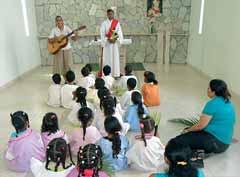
{"points": [[156, 117], [108, 169], [185, 121], [118, 91]]}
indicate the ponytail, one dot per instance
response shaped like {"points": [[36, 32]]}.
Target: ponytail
{"points": [[113, 127], [140, 110], [85, 116], [143, 134], [81, 94], [116, 144]]}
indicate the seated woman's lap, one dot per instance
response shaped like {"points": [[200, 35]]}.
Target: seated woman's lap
{"points": [[204, 141]]}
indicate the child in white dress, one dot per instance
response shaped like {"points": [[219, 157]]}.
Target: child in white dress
{"points": [[86, 81], [147, 152], [54, 91], [80, 96], [109, 80], [122, 83], [67, 90]]}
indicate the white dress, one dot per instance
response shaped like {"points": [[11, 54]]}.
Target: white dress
{"points": [[111, 55], [86, 82], [109, 81], [73, 115], [122, 83], [149, 158], [67, 95], [126, 99], [38, 169], [54, 95]]}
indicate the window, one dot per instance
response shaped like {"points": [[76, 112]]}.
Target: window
{"points": [[25, 18], [201, 17]]}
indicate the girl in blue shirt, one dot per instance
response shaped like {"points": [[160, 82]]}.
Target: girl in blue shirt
{"points": [[135, 112], [177, 156], [114, 145]]}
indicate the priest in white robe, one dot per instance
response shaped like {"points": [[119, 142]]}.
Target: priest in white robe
{"points": [[111, 39]]}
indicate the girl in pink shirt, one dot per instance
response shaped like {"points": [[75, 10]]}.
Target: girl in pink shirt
{"points": [[50, 129], [86, 133], [24, 144]]}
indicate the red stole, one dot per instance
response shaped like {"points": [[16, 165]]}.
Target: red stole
{"points": [[112, 28]]}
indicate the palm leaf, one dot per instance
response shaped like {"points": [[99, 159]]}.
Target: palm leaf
{"points": [[118, 91], [108, 169], [156, 117], [189, 122]]}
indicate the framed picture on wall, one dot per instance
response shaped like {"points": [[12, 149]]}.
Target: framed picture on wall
{"points": [[154, 8]]}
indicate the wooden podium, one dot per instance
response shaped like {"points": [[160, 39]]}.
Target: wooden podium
{"points": [[122, 51]]}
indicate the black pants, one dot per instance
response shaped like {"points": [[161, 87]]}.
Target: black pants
{"points": [[204, 141]]}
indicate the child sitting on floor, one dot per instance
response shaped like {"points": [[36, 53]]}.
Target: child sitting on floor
{"points": [[24, 144], [125, 100], [50, 129], [147, 152], [80, 96], [135, 112], [122, 83], [90, 71], [87, 133], [150, 90], [67, 90], [92, 92], [177, 156], [56, 155], [114, 145], [54, 91], [109, 80], [89, 162], [86, 81]]}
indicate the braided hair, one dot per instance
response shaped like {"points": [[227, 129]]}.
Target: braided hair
{"points": [[147, 125], [113, 127], [57, 152], [50, 123], [109, 105], [137, 100], [85, 116], [20, 121], [80, 96], [89, 160]]}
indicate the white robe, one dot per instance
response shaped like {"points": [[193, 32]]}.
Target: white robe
{"points": [[54, 95], [111, 54]]}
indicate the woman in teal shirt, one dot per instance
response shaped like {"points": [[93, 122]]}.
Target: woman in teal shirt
{"points": [[177, 155], [214, 132]]}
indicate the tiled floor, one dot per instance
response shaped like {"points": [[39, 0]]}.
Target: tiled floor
{"points": [[183, 93]]}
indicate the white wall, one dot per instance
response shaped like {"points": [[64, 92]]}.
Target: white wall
{"points": [[217, 51], [18, 53]]}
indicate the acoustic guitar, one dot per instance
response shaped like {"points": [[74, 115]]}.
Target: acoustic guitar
{"points": [[61, 41]]}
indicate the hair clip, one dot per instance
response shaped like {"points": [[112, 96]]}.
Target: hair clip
{"points": [[92, 162], [182, 163], [144, 116], [53, 117], [141, 125], [93, 157]]}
